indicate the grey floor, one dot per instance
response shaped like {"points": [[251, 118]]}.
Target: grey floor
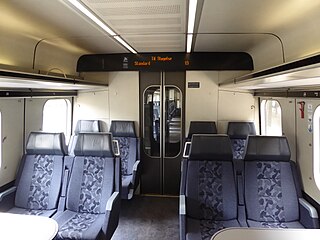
{"points": [[146, 217]]}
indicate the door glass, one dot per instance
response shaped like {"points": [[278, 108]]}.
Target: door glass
{"points": [[151, 128], [172, 121]]}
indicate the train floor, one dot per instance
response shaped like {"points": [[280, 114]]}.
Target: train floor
{"points": [[146, 217]]}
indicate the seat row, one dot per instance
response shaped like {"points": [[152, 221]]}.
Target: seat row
{"points": [[81, 192], [237, 131], [129, 147], [262, 190]]}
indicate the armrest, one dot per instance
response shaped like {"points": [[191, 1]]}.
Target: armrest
{"points": [[186, 150], [111, 201], [136, 168], [182, 216], [111, 219], [7, 199], [7, 192], [308, 214]]}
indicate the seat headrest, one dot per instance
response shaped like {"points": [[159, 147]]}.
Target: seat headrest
{"points": [[89, 126], [123, 129], [241, 129], [202, 127], [94, 144], [46, 143], [210, 147], [267, 148]]}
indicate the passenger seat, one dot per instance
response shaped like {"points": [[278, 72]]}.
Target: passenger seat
{"points": [[93, 199], [208, 197], [273, 197], [201, 127], [238, 133], [39, 178], [129, 146], [84, 126]]}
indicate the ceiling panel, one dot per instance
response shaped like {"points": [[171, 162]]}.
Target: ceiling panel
{"points": [[137, 20], [55, 21], [229, 42]]}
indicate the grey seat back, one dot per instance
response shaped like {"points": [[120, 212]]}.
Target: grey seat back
{"points": [[93, 173], [271, 196], [39, 179], [238, 133], [84, 126], [210, 185], [201, 127], [124, 132]]}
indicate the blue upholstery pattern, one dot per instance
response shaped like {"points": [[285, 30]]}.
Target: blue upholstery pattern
{"points": [[210, 189], [75, 227], [270, 192], [91, 186], [273, 225], [124, 146], [41, 182], [209, 227], [238, 148]]}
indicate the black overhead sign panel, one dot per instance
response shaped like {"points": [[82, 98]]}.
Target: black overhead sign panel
{"points": [[165, 62]]}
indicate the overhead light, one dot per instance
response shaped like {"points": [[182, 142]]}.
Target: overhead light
{"points": [[191, 21], [90, 15], [100, 23], [126, 45], [189, 42]]}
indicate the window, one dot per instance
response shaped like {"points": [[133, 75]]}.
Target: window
{"points": [[316, 146], [271, 122], [57, 117]]}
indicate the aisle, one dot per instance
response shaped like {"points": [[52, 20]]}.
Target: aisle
{"points": [[144, 218]]}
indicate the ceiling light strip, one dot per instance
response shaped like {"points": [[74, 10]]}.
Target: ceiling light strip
{"points": [[81, 7], [126, 45], [191, 22]]}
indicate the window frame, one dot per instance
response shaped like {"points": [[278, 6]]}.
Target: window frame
{"points": [[316, 142]]}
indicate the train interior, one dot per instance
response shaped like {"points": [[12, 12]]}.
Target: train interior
{"points": [[163, 103]]}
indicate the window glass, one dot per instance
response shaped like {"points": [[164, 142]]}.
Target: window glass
{"points": [[271, 122], [57, 117], [316, 146]]}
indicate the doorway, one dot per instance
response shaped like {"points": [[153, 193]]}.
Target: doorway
{"points": [[162, 117]]}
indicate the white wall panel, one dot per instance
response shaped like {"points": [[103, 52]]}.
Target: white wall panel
{"points": [[124, 96], [11, 138], [234, 106], [201, 103], [92, 106]]}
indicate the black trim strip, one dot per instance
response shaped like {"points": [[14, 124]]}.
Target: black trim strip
{"points": [[171, 61], [293, 94], [33, 93], [7, 186], [282, 68]]}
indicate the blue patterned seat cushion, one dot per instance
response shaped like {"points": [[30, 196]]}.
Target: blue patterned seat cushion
{"points": [[124, 145], [270, 194], [270, 199], [91, 186], [238, 148], [74, 225], [41, 182], [205, 229], [44, 213], [210, 190], [256, 224]]}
